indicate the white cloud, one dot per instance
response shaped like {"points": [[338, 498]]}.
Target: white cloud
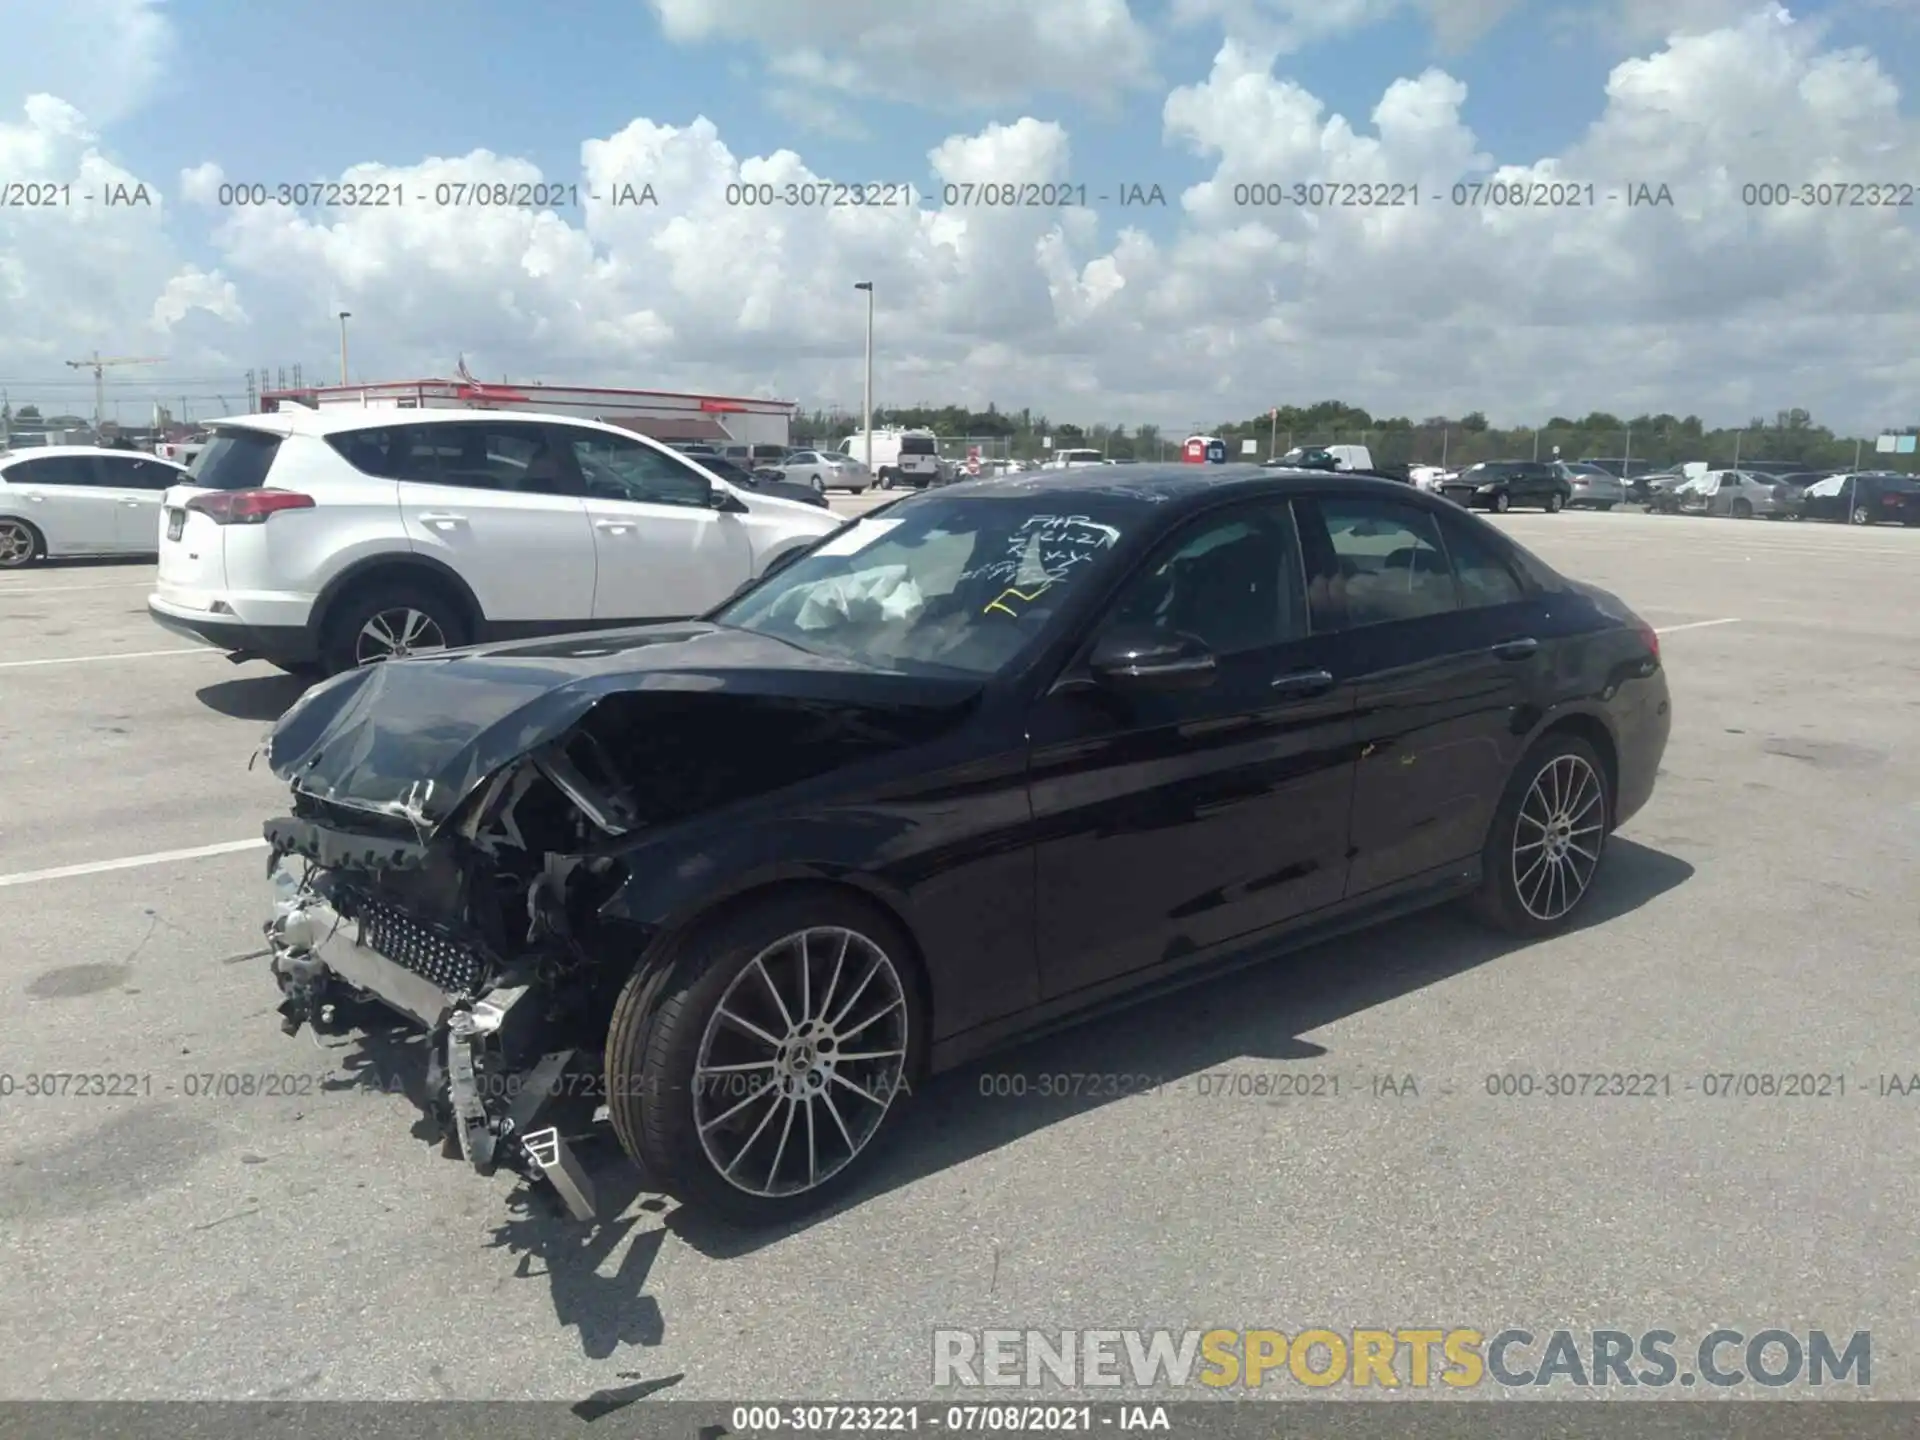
{"points": [[1711, 306], [194, 289], [106, 58], [982, 52]]}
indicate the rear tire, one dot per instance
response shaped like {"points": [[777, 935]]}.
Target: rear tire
{"points": [[21, 543], [819, 486], [1742, 510], [1555, 504], [388, 618], [1861, 515], [1547, 839], [706, 1128]]}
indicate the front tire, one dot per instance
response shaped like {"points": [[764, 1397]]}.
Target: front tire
{"points": [[389, 620], [1555, 504], [782, 1049], [1547, 839], [1501, 503], [819, 486]]}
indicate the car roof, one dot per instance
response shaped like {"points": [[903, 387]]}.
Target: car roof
{"points": [[1152, 484], [299, 420], [37, 452]]}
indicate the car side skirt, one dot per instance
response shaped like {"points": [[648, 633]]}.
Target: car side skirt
{"points": [[1406, 897]]}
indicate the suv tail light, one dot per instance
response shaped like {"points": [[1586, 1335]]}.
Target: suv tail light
{"points": [[1650, 635], [248, 507]]}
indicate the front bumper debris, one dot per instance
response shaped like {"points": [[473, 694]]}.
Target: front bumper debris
{"points": [[331, 947]]}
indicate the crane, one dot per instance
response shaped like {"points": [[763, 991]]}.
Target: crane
{"points": [[99, 367]]}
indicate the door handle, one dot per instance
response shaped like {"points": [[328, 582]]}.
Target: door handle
{"points": [[35, 495], [441, 517], [1303, 682], [1516, 649], [133, 504], [617, 527]]}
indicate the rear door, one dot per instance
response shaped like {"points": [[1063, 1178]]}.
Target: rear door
{"points": [[664, 552], [496, 502], [919, 457], [138, 484], [1440, 664], [61, 494]]}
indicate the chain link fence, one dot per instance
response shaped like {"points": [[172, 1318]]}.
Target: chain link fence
{"points": [[1628, 452]]}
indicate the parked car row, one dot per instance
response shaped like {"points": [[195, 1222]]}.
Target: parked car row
{"points": [[1858, 497]]}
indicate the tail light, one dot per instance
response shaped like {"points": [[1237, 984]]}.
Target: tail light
{"points": [[1652, 636], [248, 507]]}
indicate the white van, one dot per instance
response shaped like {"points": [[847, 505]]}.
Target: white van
{"points": [[903, 457], [1325, 457], [1075, 459]]}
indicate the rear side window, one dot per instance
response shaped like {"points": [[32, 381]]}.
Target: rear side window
{"points": [[131, 474], [1484, 576], [917, 445], [1389, 565], [236, 459]]}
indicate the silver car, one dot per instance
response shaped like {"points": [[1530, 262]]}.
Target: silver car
{"points": [[1738, 494], [1593, 487], [825, 470]]}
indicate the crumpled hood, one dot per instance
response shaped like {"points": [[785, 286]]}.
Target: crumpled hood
{"points": [[414, 737]]}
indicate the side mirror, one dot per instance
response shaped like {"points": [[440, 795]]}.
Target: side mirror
{"points": [[726, 502], [1127, 658]]}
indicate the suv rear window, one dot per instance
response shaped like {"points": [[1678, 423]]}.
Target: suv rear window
{"points": [[236, 459], [917, 445]]}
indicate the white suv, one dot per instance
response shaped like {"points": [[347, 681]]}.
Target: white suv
{"points": [[323, 540], [77, 500]]}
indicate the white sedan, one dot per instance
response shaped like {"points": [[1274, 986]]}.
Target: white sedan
{"points": [[59, 500]]}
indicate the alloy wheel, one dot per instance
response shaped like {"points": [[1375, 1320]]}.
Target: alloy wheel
{"points": [[1557, 837], [1862, 515], [819, 485], [1501, 502], [392, 634], [800, 1062], [16, 544]]}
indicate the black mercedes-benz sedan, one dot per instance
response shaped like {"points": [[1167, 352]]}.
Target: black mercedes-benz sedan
{"points": [[1008, 751]]}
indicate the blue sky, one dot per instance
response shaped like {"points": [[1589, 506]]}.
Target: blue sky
{"points": [[274, 98], [1589, 309]]}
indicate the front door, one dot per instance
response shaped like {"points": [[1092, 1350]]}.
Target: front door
{"points": [[136, 483], [1173, 823], [664, 552], [1441, 662]]}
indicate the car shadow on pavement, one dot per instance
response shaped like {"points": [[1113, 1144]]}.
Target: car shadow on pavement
{"points": [[1194, 1038], [256, 697]]}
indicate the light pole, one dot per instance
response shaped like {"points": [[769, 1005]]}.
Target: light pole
{"points": [[866, 400], [344, 316]]}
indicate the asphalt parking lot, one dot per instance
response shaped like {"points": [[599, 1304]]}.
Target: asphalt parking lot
{"points": [[1759, 917]]}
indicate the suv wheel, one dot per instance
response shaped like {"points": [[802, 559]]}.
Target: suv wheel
{"points": [[783, 1045], [20, 543], [389, 620], [1861, 515], [1501, 502], [1556, 502]]}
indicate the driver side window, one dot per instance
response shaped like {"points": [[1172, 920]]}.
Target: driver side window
{"points": [[615, 467], [1232, 581]]}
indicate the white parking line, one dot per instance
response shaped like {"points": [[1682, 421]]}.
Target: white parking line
{"points": [[129, 862], [1694, 625], [122, 655], [6, 590]]}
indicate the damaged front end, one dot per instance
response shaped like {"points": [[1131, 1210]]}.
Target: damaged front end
{"points": [[475, 931], [462, 826]]}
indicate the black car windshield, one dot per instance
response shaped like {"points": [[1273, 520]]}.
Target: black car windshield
{"points": [[954, 583]]}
